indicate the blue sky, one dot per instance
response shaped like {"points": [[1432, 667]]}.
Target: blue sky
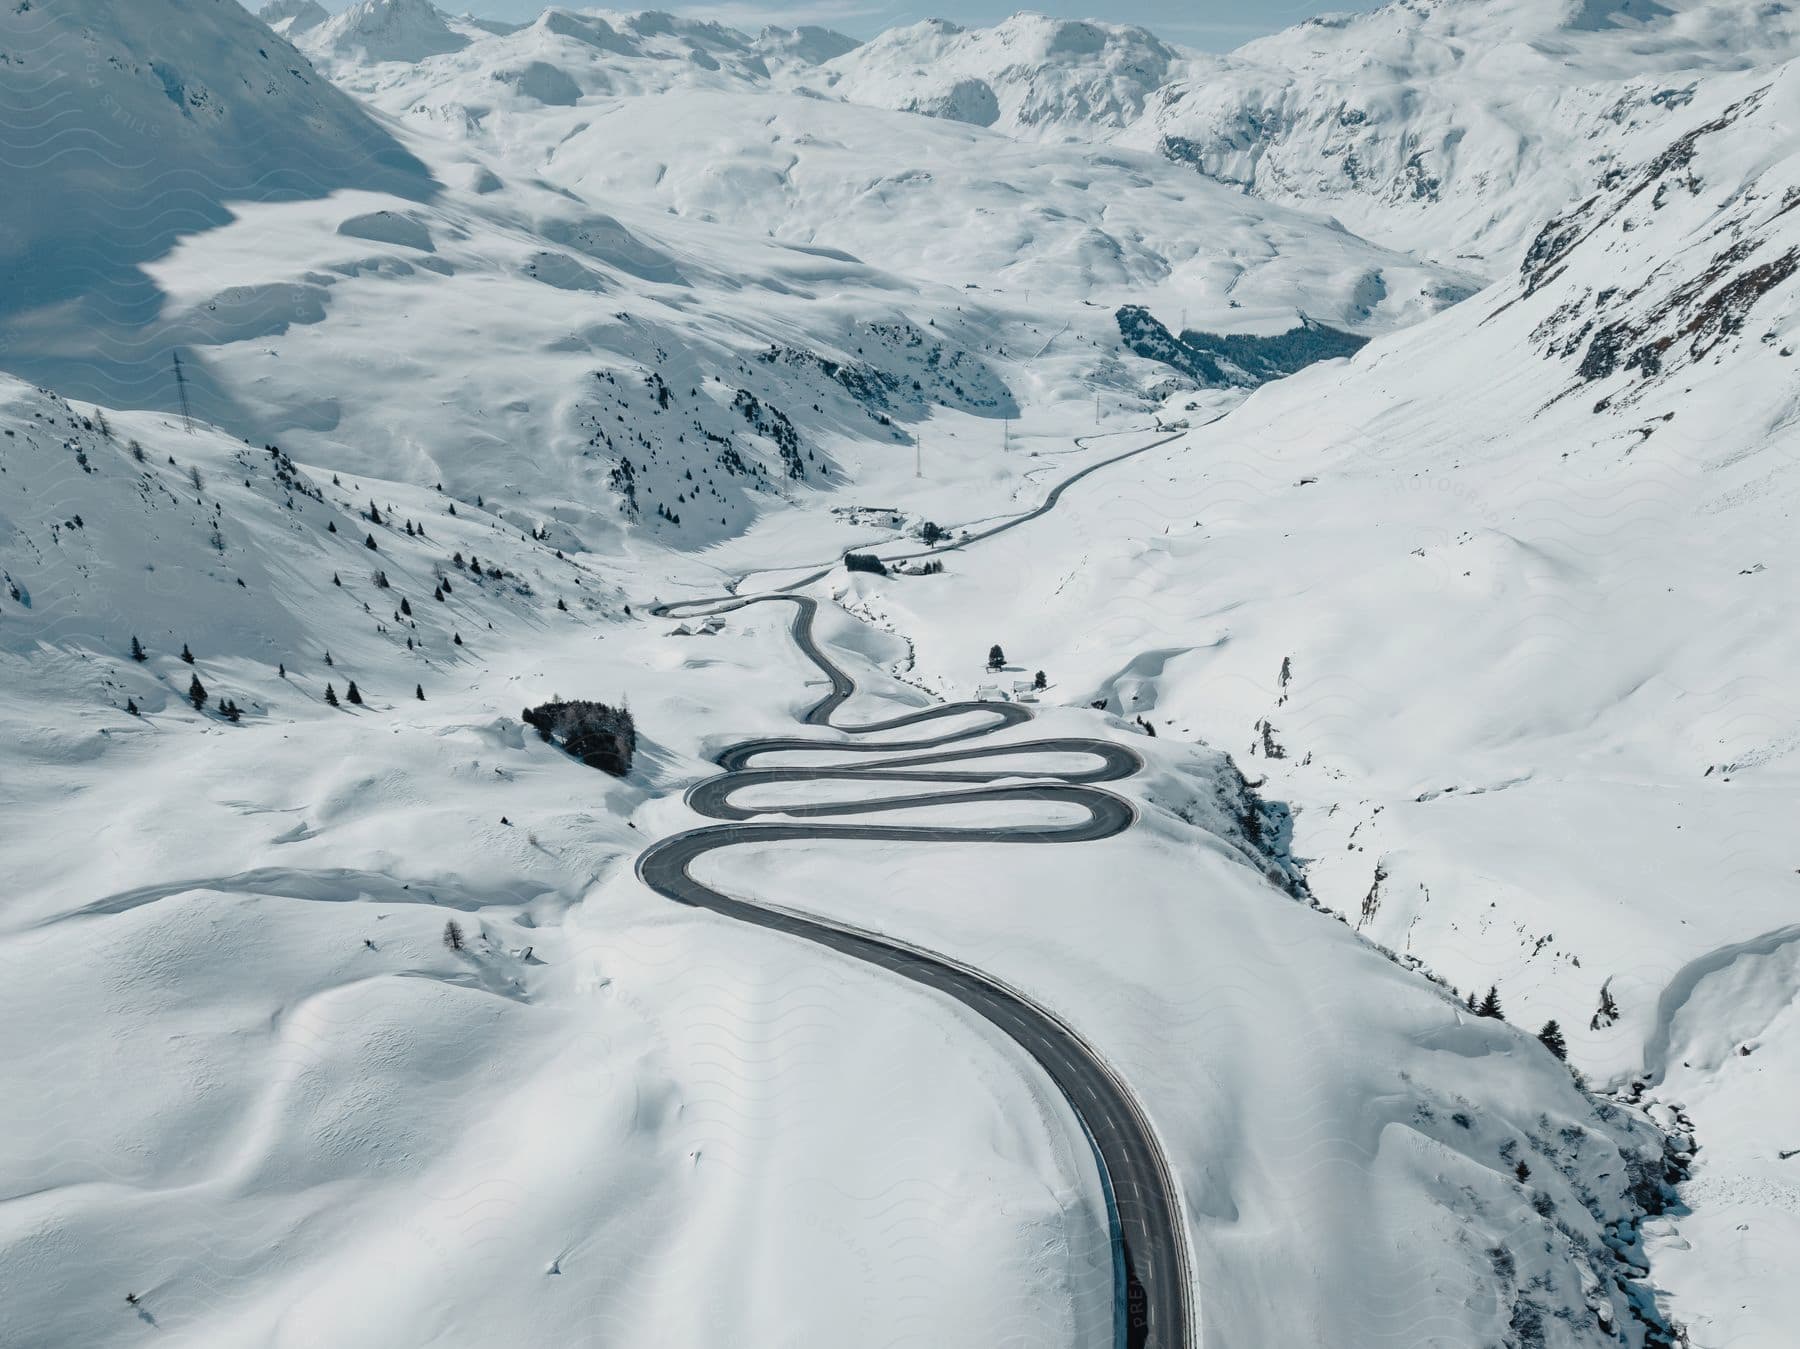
{"points": [[1215, 24]]}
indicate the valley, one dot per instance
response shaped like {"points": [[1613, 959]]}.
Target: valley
{"points": [[1140, 584]]}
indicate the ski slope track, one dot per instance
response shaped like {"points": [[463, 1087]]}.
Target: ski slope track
{"points": [[1152, 1299]]}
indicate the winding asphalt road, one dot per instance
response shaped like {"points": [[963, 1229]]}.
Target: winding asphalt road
{"points": [[1012, 522], [1153, 1286]]}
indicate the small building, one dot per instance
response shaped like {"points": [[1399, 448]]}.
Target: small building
{"points": [[989, 693], [681, 630], [879, 517], [1024, 691]]}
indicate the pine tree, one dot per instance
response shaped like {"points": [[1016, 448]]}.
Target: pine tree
{"points": [[456, 637], [419, 692], [1040, 681], [405, 607], [331, 526], [453, 935], [131, 706], [335, 581], [1552, 1038], [996, 657], [561, 605], [374, 515], [1469, 1002], [331, 699], [369, 543], [137, 650], [187, 655], [232, 711], [352, 694], [1490, 1005], [1522, 1171], [281, 671], [197, 693], [328, 659]]}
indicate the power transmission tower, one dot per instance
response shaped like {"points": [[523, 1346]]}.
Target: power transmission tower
{"points": [[187, 419]]}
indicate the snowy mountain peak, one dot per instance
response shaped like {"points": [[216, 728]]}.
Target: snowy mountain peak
{"points": [[293, 17], [386, 30], [1029, 74], [808, 44]]}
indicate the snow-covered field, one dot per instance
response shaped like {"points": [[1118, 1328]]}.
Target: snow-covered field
{"points": [[491, 339]]}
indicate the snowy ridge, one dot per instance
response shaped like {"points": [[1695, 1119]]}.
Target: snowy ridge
{"points": [[594, 51], [1028, 75], [1449, 128], [194, 109], [385, 30], [1458, 127], [293, 17]]}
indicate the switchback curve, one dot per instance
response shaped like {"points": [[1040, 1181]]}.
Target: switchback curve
{"points": [[1152, 1279]]}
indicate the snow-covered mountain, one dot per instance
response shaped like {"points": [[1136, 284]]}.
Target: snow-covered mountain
{"points": [[582, 52], [1455, 128], [181, 114], [1447, 127], [385, 30], [290, 18], [785, 315], [1501, 606], [1029, 75], [439, 364]]}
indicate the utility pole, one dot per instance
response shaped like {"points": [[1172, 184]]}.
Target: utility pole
{"points": [[187, 419], [1096, 409], [918, 456], [1006, 433]]}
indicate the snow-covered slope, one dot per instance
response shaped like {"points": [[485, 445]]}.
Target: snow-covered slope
{"points": [[129, 127], [609, 309], [267, 1097], [1503, 605]]}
